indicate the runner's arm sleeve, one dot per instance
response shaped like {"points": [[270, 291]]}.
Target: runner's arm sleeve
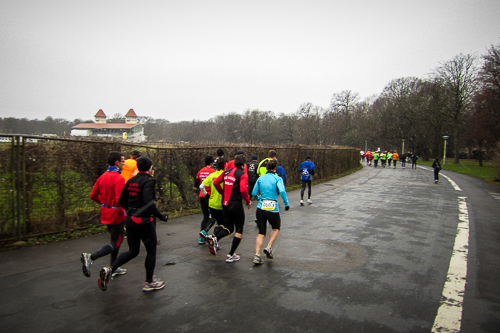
{"points": [[244, 187], [281, 189], [148, 196], [197, 182], [203, 185], [94, 195], [119, 188]]}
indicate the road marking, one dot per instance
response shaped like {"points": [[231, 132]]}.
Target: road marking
{"points": [[455, 186], [495, 195], [449, 315]]}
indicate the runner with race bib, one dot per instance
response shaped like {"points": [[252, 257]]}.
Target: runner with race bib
{"points": [[267, 189]]}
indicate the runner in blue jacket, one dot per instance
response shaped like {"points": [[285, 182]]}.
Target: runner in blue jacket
{"points": [[267, 189], [307, 170]]}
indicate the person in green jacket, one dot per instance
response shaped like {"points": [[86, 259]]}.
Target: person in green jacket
{"points": [[262, 168], [375, 159]]}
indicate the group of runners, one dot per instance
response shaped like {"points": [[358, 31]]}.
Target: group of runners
{"points": [[126, 194], [387, 158], [224, 185]]}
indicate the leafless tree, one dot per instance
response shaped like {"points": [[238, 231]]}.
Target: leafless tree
{"points": [[459, 78]]}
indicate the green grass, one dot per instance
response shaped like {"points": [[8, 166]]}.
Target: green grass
{"points": [[489, 172]]}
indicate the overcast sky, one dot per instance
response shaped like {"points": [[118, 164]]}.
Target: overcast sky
{"points": [[185, 60]]}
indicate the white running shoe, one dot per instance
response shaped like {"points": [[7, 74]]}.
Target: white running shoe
{"points": [[309, 201], [104, 277], [119, 271], [212, 245], [257, 260], [87, 262], [232, 258], [269, 252], [153, 285], [302, 202]]}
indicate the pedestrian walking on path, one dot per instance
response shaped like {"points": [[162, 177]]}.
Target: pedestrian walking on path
{"points": [[266, 190], [106, 192], [414, 158], [437, 167], [307, 169], [138, 198]]}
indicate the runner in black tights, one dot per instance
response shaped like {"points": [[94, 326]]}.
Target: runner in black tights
{"points": [[138, 197], [235, 190]]}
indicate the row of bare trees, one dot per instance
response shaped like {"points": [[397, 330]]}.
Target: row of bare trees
{"points": [[460, 99]]}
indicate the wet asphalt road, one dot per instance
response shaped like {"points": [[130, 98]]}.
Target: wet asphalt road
{"points": [[371, 254]]}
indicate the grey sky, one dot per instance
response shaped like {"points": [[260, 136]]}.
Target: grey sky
{"points": [[185, 60]]}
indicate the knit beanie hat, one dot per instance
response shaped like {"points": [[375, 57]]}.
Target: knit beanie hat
{"points": [[144, 163]]}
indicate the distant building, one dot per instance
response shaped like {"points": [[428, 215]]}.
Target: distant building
{"points": [[101, 128]]}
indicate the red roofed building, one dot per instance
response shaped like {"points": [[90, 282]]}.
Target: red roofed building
{"points": [[101, 128]]}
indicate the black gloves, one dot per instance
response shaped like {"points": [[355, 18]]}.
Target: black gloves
{"points": [[164, 217], [287, 207]]}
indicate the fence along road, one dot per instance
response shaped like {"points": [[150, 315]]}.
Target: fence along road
{"points": [[371, 254]]}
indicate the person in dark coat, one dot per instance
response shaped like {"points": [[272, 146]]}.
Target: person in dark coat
{"points": [[437, 167]]}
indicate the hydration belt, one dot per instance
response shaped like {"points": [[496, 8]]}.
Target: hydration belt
{"points": [[106, 206]]}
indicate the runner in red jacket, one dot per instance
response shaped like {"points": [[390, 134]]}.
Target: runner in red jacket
{"points": [[106, 192], [235, 190]]}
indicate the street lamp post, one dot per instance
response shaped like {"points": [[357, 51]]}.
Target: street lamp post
{"points": [[403, 149], [445, 137]]}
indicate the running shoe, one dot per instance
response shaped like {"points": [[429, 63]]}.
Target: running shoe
{"points": [[201, 241], [232, 258], [87, 262], [301, 202], [212, 244], [309, 201], [257, 260], [119, 271], [153, 285], [204, 234], [269, 252], [104, 277]]}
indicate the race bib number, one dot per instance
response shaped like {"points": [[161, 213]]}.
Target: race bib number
{"points": [[268, 205], [305, 172]]}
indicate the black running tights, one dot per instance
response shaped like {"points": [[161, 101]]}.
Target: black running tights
{"points": [[304, 182], [135, 234]]}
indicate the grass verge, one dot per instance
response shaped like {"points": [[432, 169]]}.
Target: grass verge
{"points": [[489, 172]]}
